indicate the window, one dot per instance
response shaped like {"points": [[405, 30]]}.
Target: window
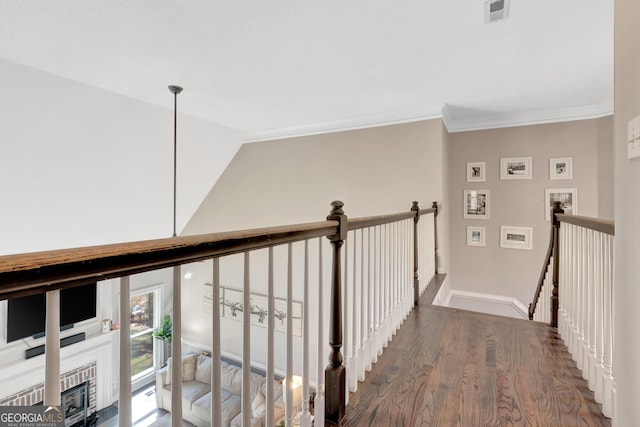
{"points": [[143, 323]]}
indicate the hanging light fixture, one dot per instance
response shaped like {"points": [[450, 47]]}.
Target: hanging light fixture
{"points": [[175, 90]]}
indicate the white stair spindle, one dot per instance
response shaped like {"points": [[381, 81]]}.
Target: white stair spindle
{"points": [[269, 411], [319, 400], [52, 349], [176, 350], [124, 400], [246, 343], [216, 380], [305, 417]]}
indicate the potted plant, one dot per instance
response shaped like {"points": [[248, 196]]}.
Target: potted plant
{"points": [[163, 333]]}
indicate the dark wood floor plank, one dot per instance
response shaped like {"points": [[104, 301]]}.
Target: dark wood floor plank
{"points": [[448, 367]]}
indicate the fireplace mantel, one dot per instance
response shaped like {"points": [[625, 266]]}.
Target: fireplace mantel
{"points": [[30, 372]]}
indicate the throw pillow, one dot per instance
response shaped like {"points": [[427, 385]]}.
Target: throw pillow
{"points": [[257, 406], [203, 369], [189, 367], [167, 377]]}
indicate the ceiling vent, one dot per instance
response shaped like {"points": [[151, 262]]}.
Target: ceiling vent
{"points": [[496, 10]]}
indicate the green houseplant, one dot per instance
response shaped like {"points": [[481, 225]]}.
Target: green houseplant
{"points": [[164, 334]]}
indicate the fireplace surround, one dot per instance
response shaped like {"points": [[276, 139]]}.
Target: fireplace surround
{"points": [[91, 361]]}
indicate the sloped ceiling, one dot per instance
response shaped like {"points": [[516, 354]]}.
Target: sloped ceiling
{"points": [[280, 68]]}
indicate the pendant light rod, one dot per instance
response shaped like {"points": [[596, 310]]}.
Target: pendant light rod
{"points": [[175, 90]]}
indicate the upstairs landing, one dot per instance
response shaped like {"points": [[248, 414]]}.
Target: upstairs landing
{"points": [[450, 367]]}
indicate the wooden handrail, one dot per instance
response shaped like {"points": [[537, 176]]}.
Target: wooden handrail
{"points": [[372, 221], [39, 272], [597, 224], [543, 273], [558, 216]]}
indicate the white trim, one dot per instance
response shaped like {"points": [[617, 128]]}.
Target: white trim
{"points": [[30, 372], [493, 299], [443, 293], [378, 120], [523, 118], [453, 123]]}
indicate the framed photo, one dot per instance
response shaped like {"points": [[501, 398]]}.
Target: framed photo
{"points": [[568, 197], [516, 237], [516, 168], [561, 168], [475, 172], [476, 204], [475, 236]]}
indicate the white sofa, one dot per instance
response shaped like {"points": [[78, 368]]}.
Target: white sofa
{"points": [[196, 393]]}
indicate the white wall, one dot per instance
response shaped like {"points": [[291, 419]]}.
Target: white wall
{"points": [[627, 216], [82, 166], [510, 272], [373, 171]]}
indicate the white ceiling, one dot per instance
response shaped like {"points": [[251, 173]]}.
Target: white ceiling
{"points": [[276, 68]]}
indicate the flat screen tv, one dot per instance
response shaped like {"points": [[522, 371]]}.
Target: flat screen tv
{"points": [[26, 315]]}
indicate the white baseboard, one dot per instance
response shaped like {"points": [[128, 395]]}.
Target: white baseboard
{"points": [[486, 303], [444, 293]]}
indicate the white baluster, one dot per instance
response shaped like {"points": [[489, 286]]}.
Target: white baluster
{"points": [[364, 295], [376, 294], [598, 342], [563, 291], [356, 318], [319, 400], [305, 417], [363, 312], [592, 314], [370, 298], [346, 311], [216, 380], [609, 380], [124, 400], [176, 350], [385, 286], [246, 343], [580, 302], [52, 350], [573, 336], [289, 409]]}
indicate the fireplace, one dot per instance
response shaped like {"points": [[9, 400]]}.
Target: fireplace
{"points": [[82, 378], [75, 404], [88, 361]]}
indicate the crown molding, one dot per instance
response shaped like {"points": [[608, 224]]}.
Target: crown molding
{"points": [[341, 125], [454, 121], [458, 123]]}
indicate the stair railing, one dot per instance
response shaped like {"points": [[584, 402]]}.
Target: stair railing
{"points": [[579, 267], [547, 296], [374, 282]]}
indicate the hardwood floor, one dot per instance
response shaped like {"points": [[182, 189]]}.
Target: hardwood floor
{"points": [[449, 367]]}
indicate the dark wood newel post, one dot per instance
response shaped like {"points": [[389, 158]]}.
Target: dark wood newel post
{"points": [[416, 282], [556, 263], [334, 374], [434, 205]]}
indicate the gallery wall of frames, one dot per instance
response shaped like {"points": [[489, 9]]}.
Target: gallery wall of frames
{"points": [[502, 183], [477, 202]]}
